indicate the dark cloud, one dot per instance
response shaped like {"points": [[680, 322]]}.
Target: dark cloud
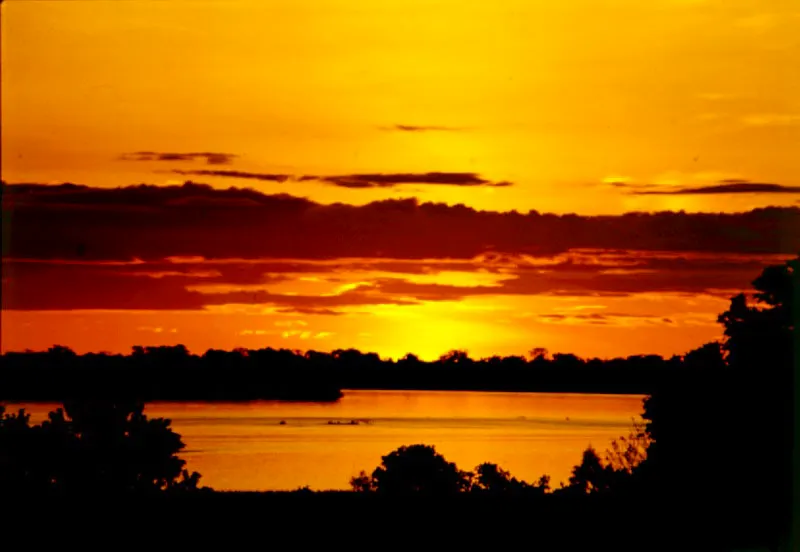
{"points": [[194, 220], [236, 174], [390, 180], [605, 318], [63, 286], [303, 310], [630, 185], [421, 128], [553, 316], [212, 158], [360, 181], [726, 187]]}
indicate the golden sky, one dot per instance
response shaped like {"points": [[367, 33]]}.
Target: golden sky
{"points": [[581, 107]]}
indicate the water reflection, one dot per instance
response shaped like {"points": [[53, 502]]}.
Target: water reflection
{"points": [[245, 446]]}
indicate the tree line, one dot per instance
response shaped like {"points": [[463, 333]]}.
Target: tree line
{"points": [[173, 373]]}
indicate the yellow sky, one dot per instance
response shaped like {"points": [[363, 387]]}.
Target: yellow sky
{"points": [[555, 97], [562, 99]]}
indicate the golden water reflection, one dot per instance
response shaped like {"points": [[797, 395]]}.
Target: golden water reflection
{"points": [[244, 446]]}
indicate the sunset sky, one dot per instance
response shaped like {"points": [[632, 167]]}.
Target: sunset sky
{"points": [[409, 163]]}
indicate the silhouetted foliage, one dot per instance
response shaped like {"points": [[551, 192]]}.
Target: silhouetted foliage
{"points": [[630, 452], [619, 473], [363, 483], [91, 447], [590, 475], [492, 479], [416, 469], [706, 433], [419, 469]]}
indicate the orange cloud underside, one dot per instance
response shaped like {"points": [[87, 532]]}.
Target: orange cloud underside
{"points": [[592, 303], [485, 324]]}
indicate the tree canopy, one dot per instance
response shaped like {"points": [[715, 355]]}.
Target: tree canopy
{"points": [[728, 438], [91, 447]]}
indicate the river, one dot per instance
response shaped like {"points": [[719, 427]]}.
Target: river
{"points": [[244, 446]]}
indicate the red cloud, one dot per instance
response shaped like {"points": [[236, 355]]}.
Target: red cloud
{"points": [[152, 223]]}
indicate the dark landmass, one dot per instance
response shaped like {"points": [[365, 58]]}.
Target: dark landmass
{"points": [[171, 373], [162, 374], [368, 522]]}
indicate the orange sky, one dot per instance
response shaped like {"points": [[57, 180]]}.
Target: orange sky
{"points": [[586, 107]]}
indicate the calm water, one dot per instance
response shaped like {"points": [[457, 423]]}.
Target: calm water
{"points": [[243, 446]]}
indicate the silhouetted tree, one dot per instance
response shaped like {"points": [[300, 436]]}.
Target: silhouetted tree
{"points": [[455, 357], [704, 433], [414, 469], [708, 357], [21, 461], [363, 483], [590, 475], [92, 447], [628, 453], [491, 478], [538, 353], [543, 483], [419, 469]]}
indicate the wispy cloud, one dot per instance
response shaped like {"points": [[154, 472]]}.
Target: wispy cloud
{"points": [[611, 319], [421, 128], [759, 22], [389, 180], [211, 158], [309, 311], [235, 174], [725, 187], [715, 96], [771, 119], [625, 182], [360, 181]]}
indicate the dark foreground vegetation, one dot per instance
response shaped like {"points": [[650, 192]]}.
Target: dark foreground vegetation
{"points": [[711, 469]]}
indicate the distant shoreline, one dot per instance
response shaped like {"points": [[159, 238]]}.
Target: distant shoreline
{"points": [[345, 391], [171, 373]]}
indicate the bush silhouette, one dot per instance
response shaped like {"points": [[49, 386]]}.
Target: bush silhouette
{"points": [[591, 475], [414, 469], [419, 469], [92, 447], [492, 479]]}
